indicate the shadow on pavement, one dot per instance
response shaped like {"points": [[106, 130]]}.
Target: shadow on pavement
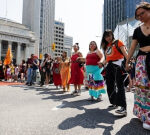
{"points": [[133, 128], [53, 93], [91, 118], [78, 104]]}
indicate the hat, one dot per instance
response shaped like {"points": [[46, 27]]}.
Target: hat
{"points": [[35, 56]]}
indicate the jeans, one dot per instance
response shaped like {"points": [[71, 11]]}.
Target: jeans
{"points": [[29, 75], [33, 76]]}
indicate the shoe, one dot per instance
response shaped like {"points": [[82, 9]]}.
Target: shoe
{"points": [[86, 88], [64, 89], [47, 86], [99, 98], [113, 106], [30, 84], [79, 93], [122, 111], [90, 99], [127, 89], [27, 83], [146, 126], [74, 93]]}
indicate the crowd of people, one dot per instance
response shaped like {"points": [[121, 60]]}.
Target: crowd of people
{"points": [[114, 67]]}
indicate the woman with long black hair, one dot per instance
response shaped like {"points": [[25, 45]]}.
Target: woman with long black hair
{"points": [[114, 76]]}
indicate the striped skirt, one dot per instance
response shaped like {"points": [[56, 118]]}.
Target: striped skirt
{"points": [[142, 93], [95, 81]]}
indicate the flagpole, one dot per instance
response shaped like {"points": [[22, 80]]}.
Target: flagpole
{"points": [[118, 30], [6, 11], [127, 34]]}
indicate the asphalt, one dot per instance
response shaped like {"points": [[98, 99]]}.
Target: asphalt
{"points": [[32, 110]]}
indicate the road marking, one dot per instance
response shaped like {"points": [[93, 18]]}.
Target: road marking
{"points": [[58, 107]]}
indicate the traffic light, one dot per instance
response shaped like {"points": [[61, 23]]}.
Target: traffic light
{"points": [[53, 47], [41, 56]]}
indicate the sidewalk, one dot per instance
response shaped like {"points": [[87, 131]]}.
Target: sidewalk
{"points": [[10, 83]]}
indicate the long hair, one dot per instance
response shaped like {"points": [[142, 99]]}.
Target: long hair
{"points": [[104, 43], [143, 5], [64, 57]]}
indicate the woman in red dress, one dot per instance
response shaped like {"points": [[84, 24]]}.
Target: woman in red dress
{"points": [[77, 75], [56, 72]]}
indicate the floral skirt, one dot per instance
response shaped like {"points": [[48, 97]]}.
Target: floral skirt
{"points": [[95, 81], [142, 93]]}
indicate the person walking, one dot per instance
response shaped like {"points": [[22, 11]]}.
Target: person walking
{"points": [[141, 38], [77, 74], [95, 78], [114, 75]]}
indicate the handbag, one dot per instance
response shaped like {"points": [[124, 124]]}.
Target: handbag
{"points": [[81, 64]]}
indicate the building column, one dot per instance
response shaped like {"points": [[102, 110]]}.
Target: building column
{"points": [[10, 45], [27, 52], [18, 53], [0, 49]]}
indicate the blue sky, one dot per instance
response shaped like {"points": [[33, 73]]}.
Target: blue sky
{"points": [[82, 18]]}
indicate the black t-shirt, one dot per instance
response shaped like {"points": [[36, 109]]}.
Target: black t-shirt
{"points": [[140, 37]]}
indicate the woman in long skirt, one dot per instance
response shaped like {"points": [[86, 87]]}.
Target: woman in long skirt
{"points": [[141, 37], [77, 75], [95, 78], [65, 72], [56, 72]]}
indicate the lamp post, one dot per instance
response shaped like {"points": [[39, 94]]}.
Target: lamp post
{"points": [[99, 38]]}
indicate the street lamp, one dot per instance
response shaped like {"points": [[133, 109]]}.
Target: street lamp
{"points": [[99, 38]]}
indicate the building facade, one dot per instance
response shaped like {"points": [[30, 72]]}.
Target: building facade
{"points": [[116, 11], [58, 38], [20, 39], [124, 32], [38, 16], [68, 42]]}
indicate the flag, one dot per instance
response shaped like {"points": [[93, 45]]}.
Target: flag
{"points": [[8, 58]]}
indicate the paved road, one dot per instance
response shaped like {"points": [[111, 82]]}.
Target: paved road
{"points": [[37, 111]]}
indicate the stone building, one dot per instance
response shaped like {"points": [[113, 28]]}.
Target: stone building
{"points": [[20, 39]]}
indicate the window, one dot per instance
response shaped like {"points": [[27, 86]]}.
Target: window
{"points": [[22, 48]]}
